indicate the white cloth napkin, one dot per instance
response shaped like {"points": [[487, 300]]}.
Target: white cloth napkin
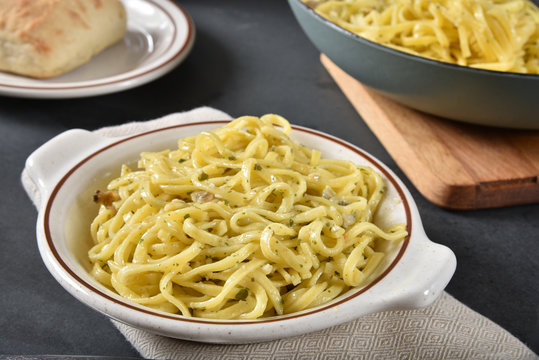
{"points": [[447, 329]]}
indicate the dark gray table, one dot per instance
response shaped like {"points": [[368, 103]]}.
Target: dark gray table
{"points": [[250, 58]]}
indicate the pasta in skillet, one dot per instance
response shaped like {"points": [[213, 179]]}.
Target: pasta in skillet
{"points": [[501, 35], [238, 223]]}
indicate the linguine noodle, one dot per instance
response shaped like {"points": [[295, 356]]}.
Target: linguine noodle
{"points": [[240, 222]]}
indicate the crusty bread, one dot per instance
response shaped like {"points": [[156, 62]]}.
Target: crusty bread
{"points": [[46, 38]]}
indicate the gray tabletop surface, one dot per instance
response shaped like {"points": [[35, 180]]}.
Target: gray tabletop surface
{"points": [[250, 58]]}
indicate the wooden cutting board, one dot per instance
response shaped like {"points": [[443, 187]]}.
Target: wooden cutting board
{"points": [[454, 165]]}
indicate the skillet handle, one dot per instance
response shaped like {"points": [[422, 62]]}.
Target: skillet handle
{"points": [[52, 160]]}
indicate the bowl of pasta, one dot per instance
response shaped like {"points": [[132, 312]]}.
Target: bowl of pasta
{"points": [[231, 231], [474, 61]]}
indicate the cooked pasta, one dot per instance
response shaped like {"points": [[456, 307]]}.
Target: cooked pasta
{"points": [[501, 35], [240, 222]]}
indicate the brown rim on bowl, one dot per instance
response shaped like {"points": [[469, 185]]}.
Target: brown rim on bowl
{"points": [[188, 41], [372, 161]]}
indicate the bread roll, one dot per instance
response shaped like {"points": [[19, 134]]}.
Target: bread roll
{"points": [[46, 38]]}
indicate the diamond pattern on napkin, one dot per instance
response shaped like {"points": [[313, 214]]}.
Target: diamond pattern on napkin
{"points": [[446, 329]]}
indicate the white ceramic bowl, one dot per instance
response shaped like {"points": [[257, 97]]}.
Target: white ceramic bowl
{"points": [[69, 168]]}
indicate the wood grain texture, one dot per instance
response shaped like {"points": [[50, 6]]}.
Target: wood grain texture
{"points": [[454, 165]]}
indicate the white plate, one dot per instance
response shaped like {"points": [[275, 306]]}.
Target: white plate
{"points": [[159, 36]]}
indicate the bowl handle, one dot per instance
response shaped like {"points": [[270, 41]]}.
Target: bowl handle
{"points": [[432, 271], [50, 162]]}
